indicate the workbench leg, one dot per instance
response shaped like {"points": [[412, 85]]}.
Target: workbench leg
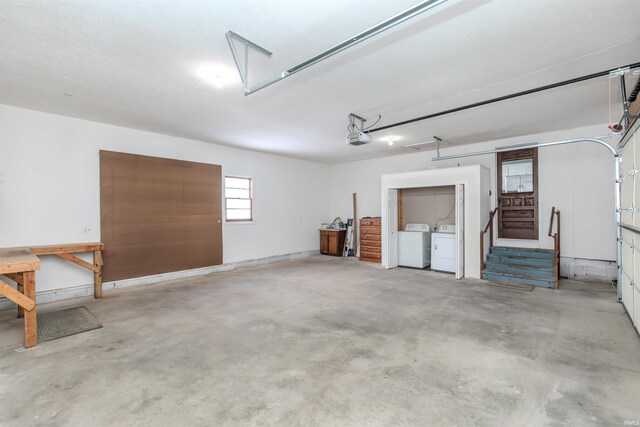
{"points": [[97, 276], [20, 309], [30, 322]]}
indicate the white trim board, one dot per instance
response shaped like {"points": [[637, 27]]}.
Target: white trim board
{"points": [[87, 290]]}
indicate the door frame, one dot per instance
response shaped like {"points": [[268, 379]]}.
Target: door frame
{"points": [[500, 198], [392, 229], [460, 237]]}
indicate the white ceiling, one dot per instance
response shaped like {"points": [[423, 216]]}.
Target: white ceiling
{"points": [[133, 63]]}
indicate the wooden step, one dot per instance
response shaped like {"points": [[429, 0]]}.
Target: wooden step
{"points": [[548, 282], [523, 252], [521, 260], [533, 270], [524, 249]]}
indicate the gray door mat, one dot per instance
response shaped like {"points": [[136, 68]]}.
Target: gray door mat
{"points": [[514, 286], [64, 323]]}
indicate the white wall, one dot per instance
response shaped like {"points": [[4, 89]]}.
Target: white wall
{"points": [[49, 188], [50, 171], [429, 205], [577, 179]]}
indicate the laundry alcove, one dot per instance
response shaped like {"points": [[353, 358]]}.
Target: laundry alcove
{"points": [[473, 203]]}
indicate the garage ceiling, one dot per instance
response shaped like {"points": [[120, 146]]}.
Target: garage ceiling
{"points": [[136, 64]]}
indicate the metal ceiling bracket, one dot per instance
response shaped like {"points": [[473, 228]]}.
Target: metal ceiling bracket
{"points": [[418, 145], [627, 117], [619, 72], [438, 141], [352, 122], [248, 44], [625, 104], [352, 41]]}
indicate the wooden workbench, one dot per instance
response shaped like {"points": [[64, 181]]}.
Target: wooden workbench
{"points": [[65, 252], [20, 265]]}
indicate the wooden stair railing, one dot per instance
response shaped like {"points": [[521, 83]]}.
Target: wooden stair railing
{"points": [[555, 214], [488, 227]]}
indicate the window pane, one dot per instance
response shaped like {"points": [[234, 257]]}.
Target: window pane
{"points": [[237, 182], [517, 176], [238, 214], [237, 194], [239, 203]]}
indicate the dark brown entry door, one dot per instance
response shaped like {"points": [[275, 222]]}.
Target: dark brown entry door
{"points": [[158, 215], [518, 194]]}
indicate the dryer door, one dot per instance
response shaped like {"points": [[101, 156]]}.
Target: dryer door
{"points": [[443, 252]]}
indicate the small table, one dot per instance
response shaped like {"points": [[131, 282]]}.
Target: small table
{"points": [[20, 265]]}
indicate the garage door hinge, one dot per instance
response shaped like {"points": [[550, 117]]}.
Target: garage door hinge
{"points": [[631, 174]]}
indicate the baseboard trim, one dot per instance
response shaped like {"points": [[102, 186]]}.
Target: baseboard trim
{"points": [[87, 290]]}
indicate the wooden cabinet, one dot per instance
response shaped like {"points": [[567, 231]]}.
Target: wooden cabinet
{"points": [[332, 242], [371, 239]]}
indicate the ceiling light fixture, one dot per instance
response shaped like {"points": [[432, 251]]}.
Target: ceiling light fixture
{"points": [[391, 139], [217, 75]]}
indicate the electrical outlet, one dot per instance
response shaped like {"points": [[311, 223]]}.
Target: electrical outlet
{"points": [[86, 229]]}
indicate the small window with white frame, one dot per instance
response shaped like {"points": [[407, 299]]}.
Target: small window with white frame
{"points": [[238, 199]]}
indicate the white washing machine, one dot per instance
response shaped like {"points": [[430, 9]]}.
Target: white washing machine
{"points": [[443, 248], [414, 246]]}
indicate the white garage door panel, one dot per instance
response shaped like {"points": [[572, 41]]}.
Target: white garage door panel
{"points": [[630, 197], [626, 166], [627, 269], [635, 315], [631, 300], [626, 200]]}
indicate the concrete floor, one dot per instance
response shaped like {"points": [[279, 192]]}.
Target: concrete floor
{"points": [[330, 341]]}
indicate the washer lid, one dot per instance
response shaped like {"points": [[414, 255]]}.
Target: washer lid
{"points": [[417, 227]]}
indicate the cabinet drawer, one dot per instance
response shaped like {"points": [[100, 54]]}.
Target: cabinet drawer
{"points": [[370, 250], [370, 221], [371, 242], [370, 237], [369, 255], [370, 230]]}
